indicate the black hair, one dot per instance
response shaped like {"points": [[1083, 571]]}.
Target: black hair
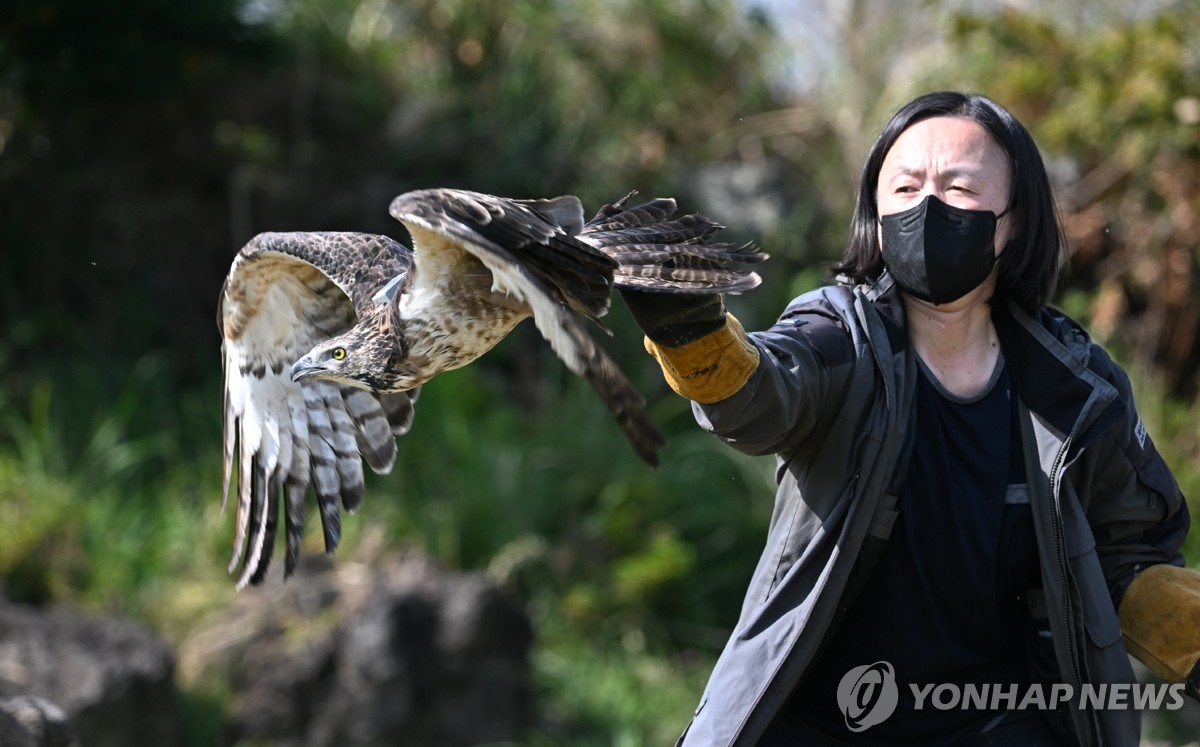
{"points": [[1029, 265]]}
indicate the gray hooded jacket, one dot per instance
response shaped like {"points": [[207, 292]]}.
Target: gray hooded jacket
{"points": [[831, 398]]}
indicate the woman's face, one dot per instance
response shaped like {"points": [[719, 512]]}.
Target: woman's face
{"points": [[956, 160]]}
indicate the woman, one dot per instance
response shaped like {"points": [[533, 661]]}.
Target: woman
{"points": [[967, 495]]}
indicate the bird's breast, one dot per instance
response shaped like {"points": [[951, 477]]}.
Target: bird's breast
{"points": [[445, 331]]}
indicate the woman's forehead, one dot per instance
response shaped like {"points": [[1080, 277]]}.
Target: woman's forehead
{"points": [[949, 145]]}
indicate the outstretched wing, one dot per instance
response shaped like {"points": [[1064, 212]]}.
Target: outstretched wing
{"points": [[655, 251], [537, 236], [285, 293], [531, 249]]}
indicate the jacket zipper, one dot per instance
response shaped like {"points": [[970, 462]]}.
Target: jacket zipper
{"points": [[1056, 535]]}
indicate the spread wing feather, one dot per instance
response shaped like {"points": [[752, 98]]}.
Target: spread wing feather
{"points": [[621, 214], [285, 293], [656, 252], [537, 235], [536, 262]]}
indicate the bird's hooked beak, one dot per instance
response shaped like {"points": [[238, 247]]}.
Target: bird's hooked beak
{"points": [[306, 368]]}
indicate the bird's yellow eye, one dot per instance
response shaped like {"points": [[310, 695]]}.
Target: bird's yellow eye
{"points": [[339, 354]]}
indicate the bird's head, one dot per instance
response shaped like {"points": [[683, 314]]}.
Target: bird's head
{"points": [[355, 358], [344, 359]]}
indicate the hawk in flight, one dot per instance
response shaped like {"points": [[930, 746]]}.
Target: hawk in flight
{"points": [[327, 337]]}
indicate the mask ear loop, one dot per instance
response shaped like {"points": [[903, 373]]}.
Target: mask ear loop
{"points": [[1007, 209], [1003, 213], [1000, 215], [1011, 241]]}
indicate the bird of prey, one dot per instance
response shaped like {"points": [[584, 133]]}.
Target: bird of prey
{"points": [[327, 337]]}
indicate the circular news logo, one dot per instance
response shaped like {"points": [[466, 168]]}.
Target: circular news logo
{"points": [[867, 695]]}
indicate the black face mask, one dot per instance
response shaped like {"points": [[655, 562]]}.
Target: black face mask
{"points": [[938, 252]]}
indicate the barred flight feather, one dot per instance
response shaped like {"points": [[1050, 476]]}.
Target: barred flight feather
{"points": [[675, 232], [617, 215]]}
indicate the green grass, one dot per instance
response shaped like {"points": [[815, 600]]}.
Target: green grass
{"points": [[610, 690]]}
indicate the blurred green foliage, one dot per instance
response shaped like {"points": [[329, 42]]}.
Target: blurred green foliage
{"points": [[142, 142]]}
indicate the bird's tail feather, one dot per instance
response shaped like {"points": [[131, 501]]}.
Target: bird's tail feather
{"points": [[294, 493], [626, 405]]}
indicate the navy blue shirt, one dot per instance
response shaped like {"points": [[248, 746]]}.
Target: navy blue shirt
{"points": [[945, 603]]}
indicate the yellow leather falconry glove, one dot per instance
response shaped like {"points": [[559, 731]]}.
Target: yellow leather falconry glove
{"points": [[1160, 621], [702, 349], [711, 368]]}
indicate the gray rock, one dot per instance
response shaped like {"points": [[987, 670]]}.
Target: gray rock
{"points": [[112, 678], [398, 653], [436, 664], [46, 724], [13, 733]]}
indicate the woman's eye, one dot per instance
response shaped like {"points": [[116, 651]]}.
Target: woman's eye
{"points": [[338, 354]]}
